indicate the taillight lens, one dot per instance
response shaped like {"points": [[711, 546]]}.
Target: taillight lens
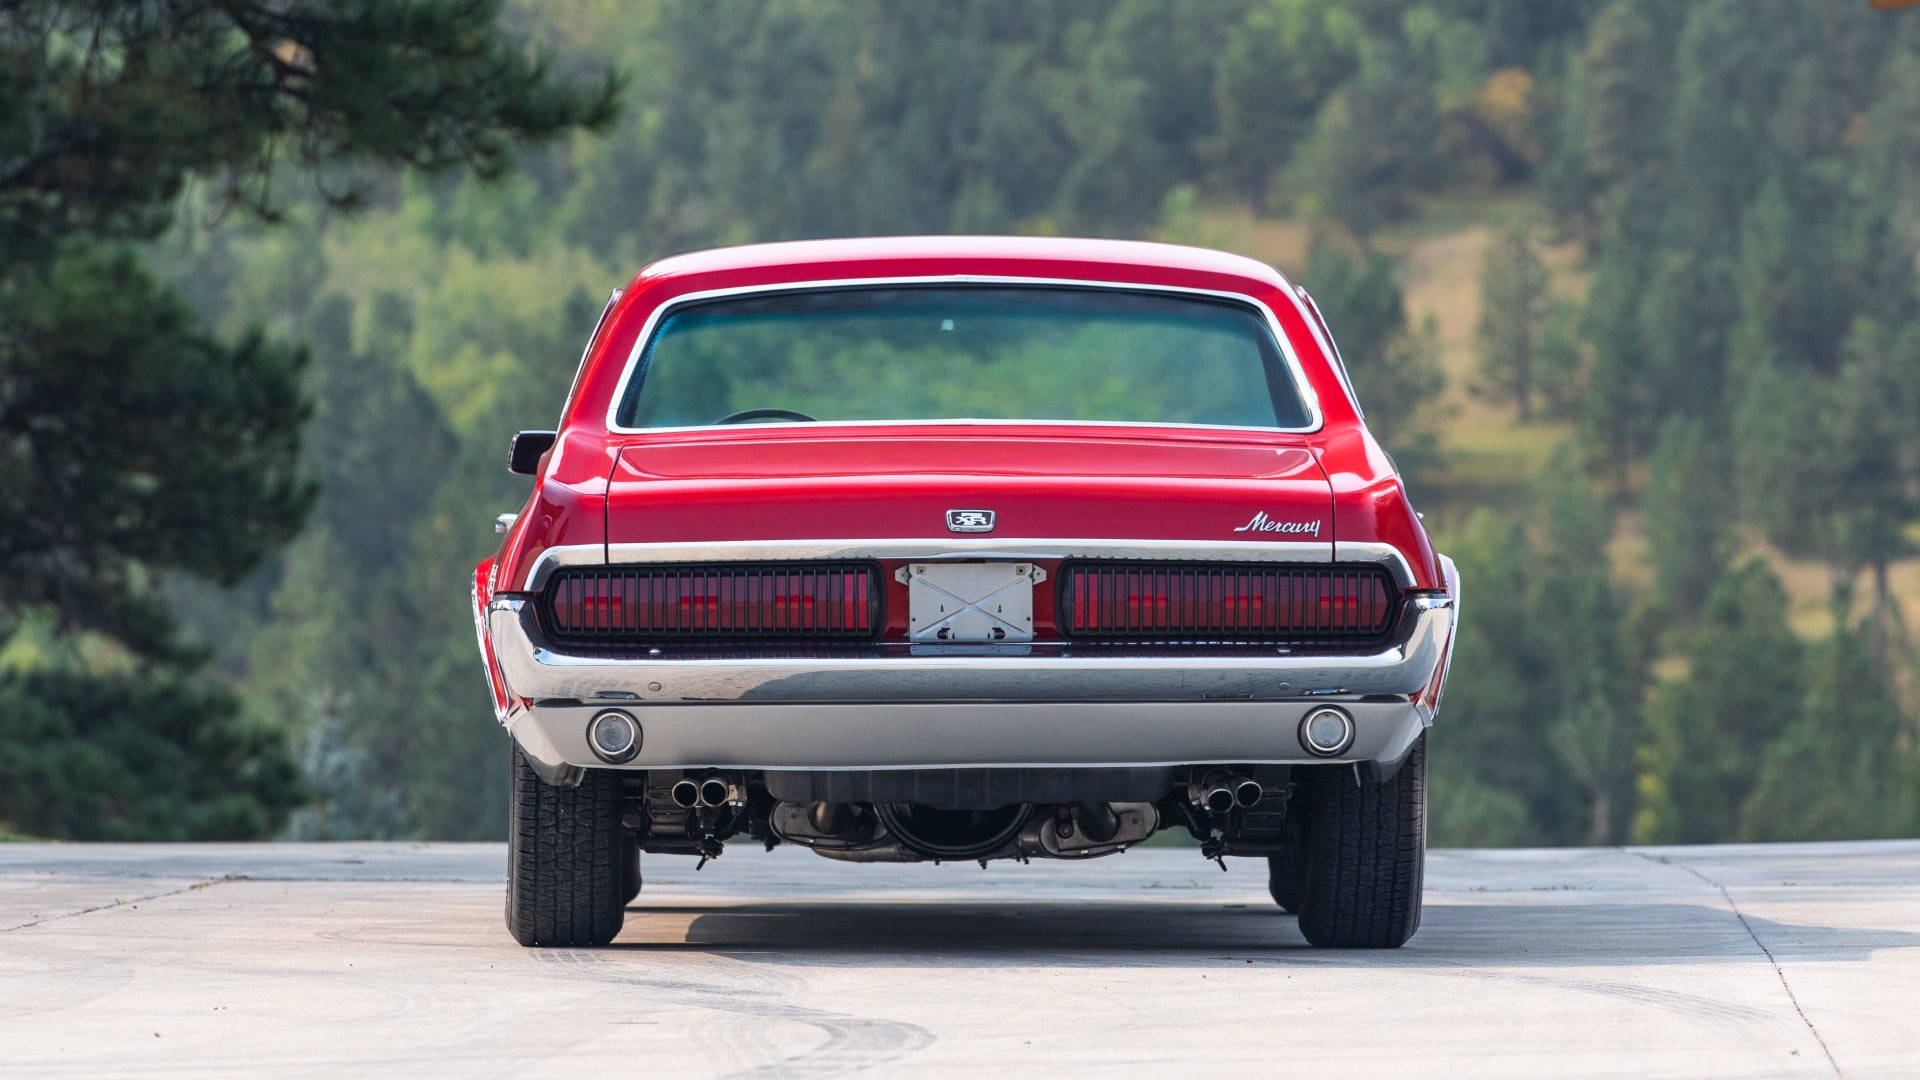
{"points": [[1232, 602], [766, 602]]}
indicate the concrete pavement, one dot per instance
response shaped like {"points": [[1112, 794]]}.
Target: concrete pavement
{"points": [[385, 959]]}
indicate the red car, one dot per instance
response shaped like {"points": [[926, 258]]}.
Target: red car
{"points": [[964, 548]]}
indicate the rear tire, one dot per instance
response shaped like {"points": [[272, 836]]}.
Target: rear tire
{"points": [[567, 866], [1365, 857]]}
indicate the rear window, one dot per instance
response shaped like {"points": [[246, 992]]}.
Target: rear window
{"points": [[963, 352]]}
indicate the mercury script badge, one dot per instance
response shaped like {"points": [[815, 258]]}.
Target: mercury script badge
{"points": [[970, 521], [1262, 523]]}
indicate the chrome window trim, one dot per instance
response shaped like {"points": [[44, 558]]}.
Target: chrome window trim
{"points": [[936, 548], [1310, 312], [1302, 385]]}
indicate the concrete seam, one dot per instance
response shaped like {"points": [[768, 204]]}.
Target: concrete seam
{"points": [[123, 903], [1768, 953]]}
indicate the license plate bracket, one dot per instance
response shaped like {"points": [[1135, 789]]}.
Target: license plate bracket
{"points": [[970, 602]]}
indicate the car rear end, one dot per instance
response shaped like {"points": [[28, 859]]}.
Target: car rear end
{"points": [[1004, 636]]}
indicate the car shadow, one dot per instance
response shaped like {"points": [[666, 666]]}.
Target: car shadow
{"points": [[1125, 934]]}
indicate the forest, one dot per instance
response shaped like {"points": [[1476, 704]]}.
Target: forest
{"points": [[1628, 288]]}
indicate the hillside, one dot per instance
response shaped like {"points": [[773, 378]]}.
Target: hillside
{"points": [[1491, 460]]}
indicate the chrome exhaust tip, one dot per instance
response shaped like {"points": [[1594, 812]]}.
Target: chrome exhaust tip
{"points": [[686, 794], [714, 791], [1248, 792]]}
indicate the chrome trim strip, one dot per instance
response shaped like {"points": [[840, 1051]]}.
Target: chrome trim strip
{"points": [[563, 555], [1015, 549], [1304, 386], [1375, 552], [535, 669], [967, 735]]}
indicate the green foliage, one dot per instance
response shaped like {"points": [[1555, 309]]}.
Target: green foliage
{"points": [[141, 756], [1372, 152], [1831, 773], [136, 447], [1513, 310], [1528, 710], [132, 442], [107, 110], [1707, 732], [1739, 174], [1274, 72], [1394, 369], [1687, 515], [1559, 361]]}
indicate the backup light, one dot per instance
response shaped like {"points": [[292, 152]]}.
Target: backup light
{"points": [[1327, 731], [614, 736]]}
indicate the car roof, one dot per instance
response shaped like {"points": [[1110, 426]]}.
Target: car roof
{"points": [[1043, 256]]}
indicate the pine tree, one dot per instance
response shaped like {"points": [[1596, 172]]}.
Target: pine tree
{"points": [[1513, 305], [1560, 364], [1616, 414], [1372, 151], [1834, 773], [1612, 121], [1265, 108], [1709, 731], [1593, 683], [1394, 367], [134, 444], [1687, 513]]}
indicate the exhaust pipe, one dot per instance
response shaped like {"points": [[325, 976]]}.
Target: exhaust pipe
{"points": [[713, 789], [1219, 791], [828, 817], [1097, 821], [1212, 792]]}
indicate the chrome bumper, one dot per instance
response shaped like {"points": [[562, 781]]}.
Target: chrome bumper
{"points": [[966, 734], [937, 711]]}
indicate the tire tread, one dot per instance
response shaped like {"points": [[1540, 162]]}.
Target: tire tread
{"points": [[1366, 859], [566, 860]]}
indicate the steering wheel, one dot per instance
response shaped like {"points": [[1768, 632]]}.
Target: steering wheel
{"points": [[765, 414]]}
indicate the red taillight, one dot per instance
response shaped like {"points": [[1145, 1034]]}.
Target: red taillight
{"points": [[1230, 602], [706, 602]]}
